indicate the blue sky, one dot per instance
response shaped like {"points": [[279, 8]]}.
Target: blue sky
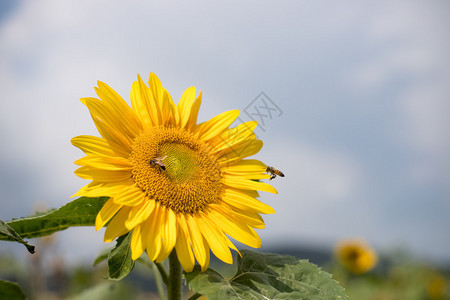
{"points": [[363, 88]]}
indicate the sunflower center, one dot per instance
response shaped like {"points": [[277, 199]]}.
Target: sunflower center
{"points": [[353, 254], [174, 167], [181, 162]]}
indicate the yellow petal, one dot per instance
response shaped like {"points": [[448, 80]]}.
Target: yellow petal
{"points": [[108, 211], [240, 151], [215, 238], [85, 191], [194, 113], [92, 145], [164, 252], [206, 250], [197, 240], [184, 254], [145, 229], [252, 176], [91, 173], [242, 183], [116, 226], [249, 169], [137, 245], [154, 234], [246, 217], [173, 110], [185, 105], [232, 136], [150, 102], [166, 109], [160, 224], [251, 193], [140, 213], [114, 101], [129, 196], [144, 104], [247, 166], [183, 247], [117, 142], [245, 202], [171, 228], [235, 228], [99, 189], [232, 246], [139, 105], [101, 111], [105, 162], [157, 92], [169, 234], [216, 125], [183, 224]]}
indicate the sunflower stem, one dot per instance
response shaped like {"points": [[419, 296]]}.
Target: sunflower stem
{"points": [[174, 282]]}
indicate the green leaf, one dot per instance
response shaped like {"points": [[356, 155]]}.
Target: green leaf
{"points": [[11, 291], [120, 263], [79, 212], [267, 276], [8, 231]]}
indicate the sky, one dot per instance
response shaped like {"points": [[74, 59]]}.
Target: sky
{"points": [[358, 95]]}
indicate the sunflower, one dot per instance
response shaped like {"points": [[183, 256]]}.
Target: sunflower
{"points": [[172, 183], [356, 255]]}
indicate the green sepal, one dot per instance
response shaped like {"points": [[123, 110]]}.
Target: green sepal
{"points": [[267, 276], [120, 263]]}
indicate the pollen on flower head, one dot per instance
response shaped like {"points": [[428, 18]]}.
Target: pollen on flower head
{"points": [[191, 178]]}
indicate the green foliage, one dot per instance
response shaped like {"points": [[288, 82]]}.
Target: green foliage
{"points": [[267, 276], [396, 279], [11, 291], [9, 232], [79, 212], [110, 291], [120, 263], [119, 259]]}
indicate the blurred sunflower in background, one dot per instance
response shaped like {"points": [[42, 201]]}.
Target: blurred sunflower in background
{"points": [[356, 255], [174, 183], [436, 287]]}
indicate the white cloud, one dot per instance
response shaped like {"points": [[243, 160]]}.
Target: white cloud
{"points": [[408, 54], [426, 110], [319, 186], [403, 42], [319, 175], [424, 129]]}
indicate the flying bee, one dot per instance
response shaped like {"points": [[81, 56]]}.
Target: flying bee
{"points": [[274, 172], [158, 161]]}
